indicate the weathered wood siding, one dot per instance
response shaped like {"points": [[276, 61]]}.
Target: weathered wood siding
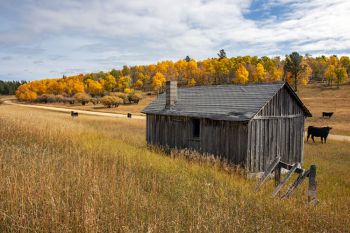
{"points": [[227, 140], [278, 129], [168, 131]]}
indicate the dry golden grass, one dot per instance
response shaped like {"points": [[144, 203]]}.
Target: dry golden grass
{"points": [[320, 99], [96, 174]]}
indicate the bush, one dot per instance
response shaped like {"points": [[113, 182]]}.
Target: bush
{"points": [[95, 100], [59, 98], [82, 98], [46, 98], [111, 101], [68, 100], [121, 95], [135, 98]]}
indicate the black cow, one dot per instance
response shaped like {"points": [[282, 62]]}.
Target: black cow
{"points": [[74, 114], [318, 132], [327, 114]]}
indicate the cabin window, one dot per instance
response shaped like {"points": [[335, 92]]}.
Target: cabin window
{"points": [[196, 127]]}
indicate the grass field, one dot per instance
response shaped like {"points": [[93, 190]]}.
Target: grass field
{"points": [[96, 174]]}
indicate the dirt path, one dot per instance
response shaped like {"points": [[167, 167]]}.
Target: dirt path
{"points": [[330, 136], [338, 137], [79, 111]]}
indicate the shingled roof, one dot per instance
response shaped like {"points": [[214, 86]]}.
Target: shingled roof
{"points": [[221, 102]]}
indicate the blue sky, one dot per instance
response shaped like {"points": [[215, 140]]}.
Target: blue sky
{"points": [[45, 39]]}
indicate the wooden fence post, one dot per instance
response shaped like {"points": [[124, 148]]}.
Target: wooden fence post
{"points": [[312, 190], [277, 175]]}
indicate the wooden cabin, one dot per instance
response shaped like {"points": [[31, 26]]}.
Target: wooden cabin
{"points": [[247, 125]]}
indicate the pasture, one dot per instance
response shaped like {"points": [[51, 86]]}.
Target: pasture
{"points": [[96, 174], [320, 99]]}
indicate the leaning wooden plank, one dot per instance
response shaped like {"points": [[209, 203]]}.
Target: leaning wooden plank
{"points": [[267, 173], [290, 173], [296, 184]]}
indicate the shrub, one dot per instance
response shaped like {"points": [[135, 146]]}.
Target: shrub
{"points": [[135, 98], [59, 98], [95, 100], [46, 98], [121, 95], [111, 101], [68, 100], [82, 98]]}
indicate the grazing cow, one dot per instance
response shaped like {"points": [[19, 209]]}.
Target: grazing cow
{"points": [[318, 132], [327, 114], [74, 114]]}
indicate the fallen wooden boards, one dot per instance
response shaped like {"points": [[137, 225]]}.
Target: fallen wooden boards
{"points": [[296, 184], [290, 173], [276, 165], [267, 173]]}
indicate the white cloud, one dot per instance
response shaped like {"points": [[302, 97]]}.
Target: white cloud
{"points": [[141, 31]]}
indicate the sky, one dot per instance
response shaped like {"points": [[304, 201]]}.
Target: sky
{"points": [[51, 38]]}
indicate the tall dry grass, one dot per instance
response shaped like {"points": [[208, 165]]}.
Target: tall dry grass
{"points": [[95, 174]]}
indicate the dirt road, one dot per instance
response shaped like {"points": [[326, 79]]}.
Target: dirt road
{"points": [[79, 111]]}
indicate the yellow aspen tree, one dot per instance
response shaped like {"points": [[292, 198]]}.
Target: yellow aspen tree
{"points": [[260, 73], [242, 74], [158, 81], [277, 74], [109, 82], [123, 82], [305, 75], [341, 75], [94, 87], [330, 74], [138, 84]]}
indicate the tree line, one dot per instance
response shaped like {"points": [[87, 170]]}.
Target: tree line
{"points": [[294, 68], [9, 87]]}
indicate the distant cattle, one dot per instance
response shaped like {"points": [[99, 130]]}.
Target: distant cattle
{"points": [[318, 132], [74, 114], [327, 114]]}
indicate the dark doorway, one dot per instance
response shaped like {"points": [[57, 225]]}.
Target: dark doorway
{"points": [[196, 128]]}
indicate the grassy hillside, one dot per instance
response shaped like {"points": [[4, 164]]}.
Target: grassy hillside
{"points": [[97, 175]]}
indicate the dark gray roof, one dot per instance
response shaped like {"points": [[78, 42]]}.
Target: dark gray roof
{"points": [[219, 102]]}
